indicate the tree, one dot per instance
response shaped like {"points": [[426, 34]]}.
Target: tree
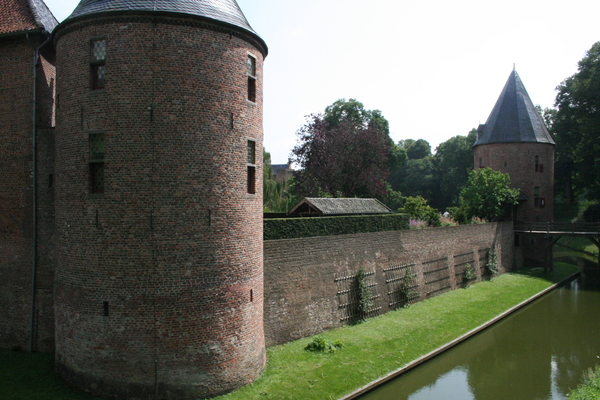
{"points": [[576, 128], [418, 209], [343, 153], [487, 195], [416, 176], [454, 160]]}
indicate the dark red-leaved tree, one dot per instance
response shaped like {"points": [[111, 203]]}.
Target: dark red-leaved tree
{"points": [[343, 153]]}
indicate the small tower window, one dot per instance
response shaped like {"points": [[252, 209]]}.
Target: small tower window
{"points": [[537, 164], [97, 63], [251, 78], [536, 196], [251, 167], [96, 162]]}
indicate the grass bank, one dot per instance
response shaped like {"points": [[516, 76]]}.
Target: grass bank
{"points": [[370, 350]]}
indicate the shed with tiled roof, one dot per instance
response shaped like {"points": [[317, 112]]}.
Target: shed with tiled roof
{"points": [[315, 206]]}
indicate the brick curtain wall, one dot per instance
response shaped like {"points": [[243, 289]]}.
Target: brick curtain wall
{"points": [[308, 282]]}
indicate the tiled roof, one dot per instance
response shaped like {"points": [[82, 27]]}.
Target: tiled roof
{"points": [[25, 15], [343, 206], [226, 11], [514, 118]]}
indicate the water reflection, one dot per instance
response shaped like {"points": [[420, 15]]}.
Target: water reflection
{"points": [[539, 352]]}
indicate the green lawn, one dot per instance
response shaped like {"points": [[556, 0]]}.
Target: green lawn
{"points": [[370, 350]]}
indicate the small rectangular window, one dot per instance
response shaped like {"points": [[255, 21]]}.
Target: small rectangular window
{"points": [[97, 63], [536, 196], [96, 162], [251, 78]]}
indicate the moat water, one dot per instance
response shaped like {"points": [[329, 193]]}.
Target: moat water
{"points": [[538, 353]]}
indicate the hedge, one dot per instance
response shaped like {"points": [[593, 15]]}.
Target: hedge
{"points": [[289, 228]]}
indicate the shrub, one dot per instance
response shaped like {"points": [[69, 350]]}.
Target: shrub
{"points": [[469, 274], [590, 388], [492, 264], [320, 345]]}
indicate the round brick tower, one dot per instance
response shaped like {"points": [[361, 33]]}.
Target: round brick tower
{"points": [[158, 190], [515, 140]]}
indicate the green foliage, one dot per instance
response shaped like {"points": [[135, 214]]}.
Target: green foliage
{"points": [[590, 388], [320, 345], [592, 213], [487, 195], [492, 265], [276, 195], [454, 161], [469, 273], [576, 129], [363, 296], [417, 209], [288, 228]]}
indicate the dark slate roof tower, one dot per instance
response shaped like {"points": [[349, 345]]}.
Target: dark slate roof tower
{"points": [[159, 281], [515, 140], [514, 118]]}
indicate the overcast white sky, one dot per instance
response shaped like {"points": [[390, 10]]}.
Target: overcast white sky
{"points": [[433, 67]]}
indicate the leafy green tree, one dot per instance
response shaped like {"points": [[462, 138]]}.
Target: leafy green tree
{"points": [[418, 149], [418, 209], [453, 162], [487, 195], [343, 153], [576, 128]]}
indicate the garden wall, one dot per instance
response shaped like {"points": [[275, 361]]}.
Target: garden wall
{"points": [[309, 282]]}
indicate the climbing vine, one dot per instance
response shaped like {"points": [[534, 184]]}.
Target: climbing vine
{"points": [[363, 296], [492, 264], [469, 274]]}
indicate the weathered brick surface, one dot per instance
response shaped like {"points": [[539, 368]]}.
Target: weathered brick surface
{"points": [[518, 160], [16, 193], [304, 278], [172, 250]]}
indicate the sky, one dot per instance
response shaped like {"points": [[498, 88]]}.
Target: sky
{"points": [[434, 68]]}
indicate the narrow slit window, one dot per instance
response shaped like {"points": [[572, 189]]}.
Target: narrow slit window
{"points": [[105, 308], [536, 196], [251, 78], [96, 162], [251, 167], [97, 63], [537, 163]]}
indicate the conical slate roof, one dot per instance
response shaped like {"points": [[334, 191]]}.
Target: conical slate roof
{"points": [[514, 118], [226, 11], [25, 15]]}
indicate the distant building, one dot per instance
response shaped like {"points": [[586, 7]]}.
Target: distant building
{"points": [[313, 207], [515, 140], [282, 172]]}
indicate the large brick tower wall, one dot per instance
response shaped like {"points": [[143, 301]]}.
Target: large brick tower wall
{"points": [[530, 166], [159, 280], [26, 262]]}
